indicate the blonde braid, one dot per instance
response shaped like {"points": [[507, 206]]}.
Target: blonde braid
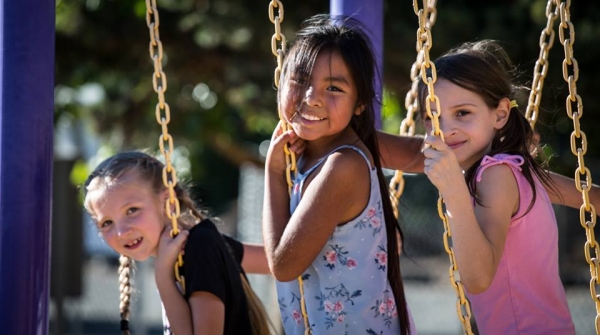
{"points": [[126, 266]]}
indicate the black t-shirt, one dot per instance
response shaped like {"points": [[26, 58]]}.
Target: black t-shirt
{"points": [[208, 265], [237, 248]]}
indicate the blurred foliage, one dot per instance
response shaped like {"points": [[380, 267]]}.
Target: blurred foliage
{"points": [[219, 68]]}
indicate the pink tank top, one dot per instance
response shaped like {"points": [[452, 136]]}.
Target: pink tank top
{"points": [[526, 295]]}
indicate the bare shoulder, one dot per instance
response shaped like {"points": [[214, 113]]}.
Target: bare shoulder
{"points": [[343, 185], [498, 185], [347, 163], [497, 177]]}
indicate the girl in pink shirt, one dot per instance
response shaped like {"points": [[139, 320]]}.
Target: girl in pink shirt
{"points": [[504, 231]]}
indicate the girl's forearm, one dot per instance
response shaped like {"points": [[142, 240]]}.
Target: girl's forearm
{"points": [[276, 214], [176, 307], [255, 259], [569, 195], [473, 252], [401, 152]]}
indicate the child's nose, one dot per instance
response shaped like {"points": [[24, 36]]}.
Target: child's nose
{"points": [[311, 97], [123, 229], [447, 126]]}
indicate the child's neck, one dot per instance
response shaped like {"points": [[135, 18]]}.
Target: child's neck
{"points": [[317, 149]]}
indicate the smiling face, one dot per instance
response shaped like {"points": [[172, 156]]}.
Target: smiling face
{"points": [[129, 215], [329, 101], [468, 124]]}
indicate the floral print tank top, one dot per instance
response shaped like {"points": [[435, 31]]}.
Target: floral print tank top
{"points": [[346, 287]]}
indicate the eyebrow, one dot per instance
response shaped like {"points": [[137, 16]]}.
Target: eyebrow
{"points": [[463, 104], [340, 79]]}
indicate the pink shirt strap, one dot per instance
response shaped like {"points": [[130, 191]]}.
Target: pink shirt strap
{"points": [[487, 161]]}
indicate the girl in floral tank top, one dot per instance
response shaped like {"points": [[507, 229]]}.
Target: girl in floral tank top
{"points": [[346, 286], [331, 243]]}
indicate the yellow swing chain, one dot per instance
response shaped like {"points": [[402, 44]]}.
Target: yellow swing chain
{"points": [[279, 52], [541, 65], [587, 212], [463, 308], [290, 157], [411, 103], [159, 83]]}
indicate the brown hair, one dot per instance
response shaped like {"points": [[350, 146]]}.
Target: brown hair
{"points": [[149, 169], [485, 69]]}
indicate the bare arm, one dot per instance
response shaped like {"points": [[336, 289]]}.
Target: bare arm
{"points": [[478, 233], [208, 314], [292, 242], [255, 259], [176, 307], [404, 153], [203, 313], [569, 195], [401, 152]]}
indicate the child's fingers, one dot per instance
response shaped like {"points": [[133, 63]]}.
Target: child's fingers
{"points": [[297, 144], [285, 137], [298, 147], [180, 239]]}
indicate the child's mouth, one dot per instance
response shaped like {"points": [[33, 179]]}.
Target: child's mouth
{"points": [[311, 117], [134, 244]]}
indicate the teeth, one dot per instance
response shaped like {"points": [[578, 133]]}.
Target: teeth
{"points": [[134, 242], [311, 118]]}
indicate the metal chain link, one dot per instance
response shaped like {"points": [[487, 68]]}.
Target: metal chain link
{"points": [[163, 117], [290, 157], [587, 212], [541, 65], [279, 52], [463, 308], [411, 103]]}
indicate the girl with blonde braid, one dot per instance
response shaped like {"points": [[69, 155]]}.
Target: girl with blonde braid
{"points": [[126, 198]]}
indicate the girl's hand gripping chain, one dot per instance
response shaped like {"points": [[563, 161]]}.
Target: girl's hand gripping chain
{"points": [[275, 158], [441, 165], [167, 252]]}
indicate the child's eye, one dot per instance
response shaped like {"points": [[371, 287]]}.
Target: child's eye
{"points": [[462, 113], [104, 224], [132, 210], [334, 89]]}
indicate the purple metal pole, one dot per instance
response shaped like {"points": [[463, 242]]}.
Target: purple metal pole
{"points": [[370, 14], [26, 128]]}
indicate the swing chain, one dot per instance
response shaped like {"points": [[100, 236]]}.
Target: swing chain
{"points": [[587, 211], [279, 52], [159, 83], [463, 308], [407, 127], [290, 157], [541, 65]]}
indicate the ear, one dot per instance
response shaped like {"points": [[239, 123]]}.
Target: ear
{"points": [[359, 109], [502, 113], [163, 196]]}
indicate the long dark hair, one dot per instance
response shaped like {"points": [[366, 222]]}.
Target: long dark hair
{"points": [[323, 33], [149, 170], [484, 68]]}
